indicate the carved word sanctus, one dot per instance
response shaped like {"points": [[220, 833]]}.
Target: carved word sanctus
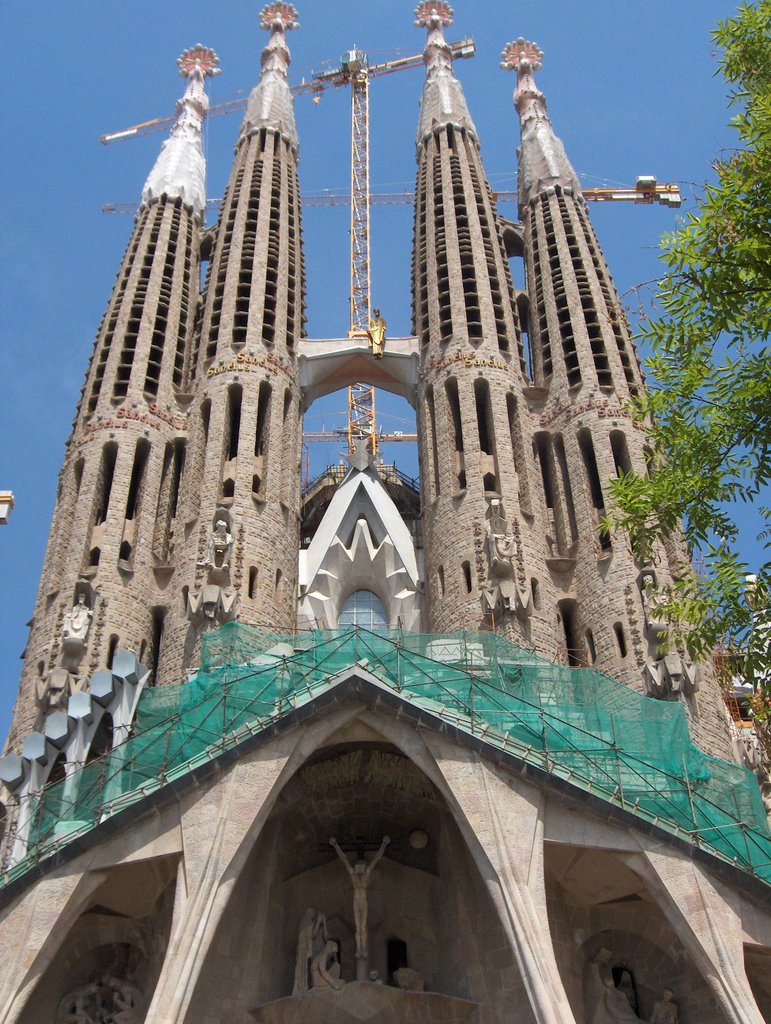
{"points": [[244, 361], [603, 408], [152, 417], [467, 359]]}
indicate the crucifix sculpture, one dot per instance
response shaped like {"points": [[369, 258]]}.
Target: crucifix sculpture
{"points": [[360, 873]]}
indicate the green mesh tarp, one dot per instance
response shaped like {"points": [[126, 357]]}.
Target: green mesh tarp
{"points": [[576, 724]]}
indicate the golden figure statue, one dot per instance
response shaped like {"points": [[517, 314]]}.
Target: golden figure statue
{"points": [[376, 334]]}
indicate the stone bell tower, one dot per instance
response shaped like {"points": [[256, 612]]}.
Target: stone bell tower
{"points": [[585, 371], [110, 550], [477, 472], [240, 494]]}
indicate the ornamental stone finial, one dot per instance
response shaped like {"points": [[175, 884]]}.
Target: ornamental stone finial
{"points": [[433, 14], [521, 55], [279, 17], [199, 57]]}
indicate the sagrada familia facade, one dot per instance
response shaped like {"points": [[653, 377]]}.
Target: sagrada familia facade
{"points": [[367, 753]]}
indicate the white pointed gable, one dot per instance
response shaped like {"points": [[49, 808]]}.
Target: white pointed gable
{"points": [[362, 543]]}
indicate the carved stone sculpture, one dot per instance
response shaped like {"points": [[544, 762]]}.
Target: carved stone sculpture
{"points": [[126, 1001], [74, 1007], [665, 1010], [105, 1000], [655, 623], [606, 1004], [212, 605], [616, 1005], [501, 546], [625, 984], [310, 941], [360, 874], [53, 691], [77, 620], [409, 980], [216, 602], [76, 624], [220, 547], [325, 967], [667, 673], [502, 593], [669, 676]]}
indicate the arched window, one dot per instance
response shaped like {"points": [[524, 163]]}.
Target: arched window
{"points": [[363, 608]]}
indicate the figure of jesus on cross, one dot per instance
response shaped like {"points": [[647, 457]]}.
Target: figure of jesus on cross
{"points": [[360, 873]]}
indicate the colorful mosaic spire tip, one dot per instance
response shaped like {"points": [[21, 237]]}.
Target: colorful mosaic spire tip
{"points": [[279, 16], [201, 57], [521, 55], [433, 13]]}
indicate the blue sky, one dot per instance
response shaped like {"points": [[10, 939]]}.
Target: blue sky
{"points": [[631, 90]]}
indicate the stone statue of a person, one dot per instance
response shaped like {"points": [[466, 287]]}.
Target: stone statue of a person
{"points": [[625, 984], [376, 333], [126, 1001], [606, 1004], [310, 940], [502, 546], [665, 1010], [360, 873], [325, 967], [615, 1005], [77, 620], [220, 546], [76, 1006]]}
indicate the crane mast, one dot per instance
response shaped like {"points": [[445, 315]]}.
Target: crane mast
{"points": [[361, 397], [354, 70], [356, 63]]}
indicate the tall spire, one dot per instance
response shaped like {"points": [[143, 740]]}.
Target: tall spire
{"points": [[180, 169], [270, 103], [442, 102], [543, 162]]}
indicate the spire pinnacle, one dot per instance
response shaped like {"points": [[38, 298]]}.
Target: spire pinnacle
{"points": [[524, 58], [543, 162], [180, 170], [443, 101], [270, 103], [279, 17]]}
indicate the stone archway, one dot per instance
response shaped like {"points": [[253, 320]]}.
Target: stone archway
{"points": [[425, 892], [605, 923], [110, 960]]}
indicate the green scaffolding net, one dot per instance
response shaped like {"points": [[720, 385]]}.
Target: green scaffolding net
{"points": [[576, 724]]}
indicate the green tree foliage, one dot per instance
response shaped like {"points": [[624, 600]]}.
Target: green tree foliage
{"points": [[710, 395]]}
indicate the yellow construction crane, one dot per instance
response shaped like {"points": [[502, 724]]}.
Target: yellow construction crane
{"points": [[646, 191], [337, 435], [355, 70]]}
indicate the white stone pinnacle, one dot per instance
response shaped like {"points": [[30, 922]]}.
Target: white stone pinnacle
{"points": [[270, 103], [442, 102], [543, 162], [180, 170]]}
